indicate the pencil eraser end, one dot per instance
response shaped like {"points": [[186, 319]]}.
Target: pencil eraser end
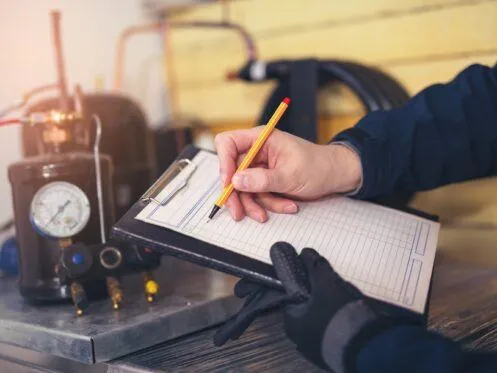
{"points": [[286, 100]]}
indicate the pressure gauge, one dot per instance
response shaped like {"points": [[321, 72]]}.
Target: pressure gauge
{"points": [[60, 210]]}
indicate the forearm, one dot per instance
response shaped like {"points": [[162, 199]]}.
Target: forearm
{"points": [[445, 134], [411, 349]]}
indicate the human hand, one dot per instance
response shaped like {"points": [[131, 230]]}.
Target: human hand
{"points": [[325, 316], [286, 169]]}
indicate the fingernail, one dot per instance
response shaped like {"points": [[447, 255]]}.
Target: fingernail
{"points": [[261, 218], [290, 208], [240, 181]]}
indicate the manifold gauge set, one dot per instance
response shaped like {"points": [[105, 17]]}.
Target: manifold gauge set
{"points": [[64, 204]]}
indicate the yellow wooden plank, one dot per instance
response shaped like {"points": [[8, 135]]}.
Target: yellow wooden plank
{"points": [[330, 126], [416, 77], [380, 41], [240, 101], [327, 126], [236, 100], [453, 30], [264, 16]]}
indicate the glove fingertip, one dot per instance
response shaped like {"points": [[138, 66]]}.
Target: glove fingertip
{"points": [[219, 339], [312, 259], [309, 257], [281, 247], [308, 253], [223, 334]]}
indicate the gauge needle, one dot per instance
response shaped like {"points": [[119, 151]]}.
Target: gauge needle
{"points": [[60, 210]]}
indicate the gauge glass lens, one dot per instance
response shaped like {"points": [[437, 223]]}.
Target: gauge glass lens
{"points": [[60, 209]]}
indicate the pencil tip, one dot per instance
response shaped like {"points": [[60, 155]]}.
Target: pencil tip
{"points": [[214, 210]]}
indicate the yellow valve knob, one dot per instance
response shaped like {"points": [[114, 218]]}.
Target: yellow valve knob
{"points": [[151, 287]]}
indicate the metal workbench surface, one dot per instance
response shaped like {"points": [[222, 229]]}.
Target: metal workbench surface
{"points": [[463, 307], [191, 298]]}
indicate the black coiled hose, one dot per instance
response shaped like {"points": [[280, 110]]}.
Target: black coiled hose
{"points": [[375, 89]]}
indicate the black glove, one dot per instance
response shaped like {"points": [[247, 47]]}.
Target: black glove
{"points": [[329, 322], [259, 298]]}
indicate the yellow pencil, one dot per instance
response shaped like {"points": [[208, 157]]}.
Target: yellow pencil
{"points": [[252, 153]]}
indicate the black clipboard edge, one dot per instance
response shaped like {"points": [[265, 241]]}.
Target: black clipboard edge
{"points": [[210, 261]]}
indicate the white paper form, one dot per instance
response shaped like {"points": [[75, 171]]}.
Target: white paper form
{"points": [[386, 253]]}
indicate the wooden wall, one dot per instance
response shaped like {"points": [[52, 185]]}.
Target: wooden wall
{"points": [[419, 42]]}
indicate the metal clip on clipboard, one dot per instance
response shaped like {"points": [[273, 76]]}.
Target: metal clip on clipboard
{"points": [[172, 171]]}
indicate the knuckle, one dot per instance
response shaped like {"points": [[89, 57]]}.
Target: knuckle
{"points": [[264, 182], [219, 138], [275, 179]]}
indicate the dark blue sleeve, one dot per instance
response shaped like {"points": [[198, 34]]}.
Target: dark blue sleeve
{"points": [[411, 349], [447, 133]]}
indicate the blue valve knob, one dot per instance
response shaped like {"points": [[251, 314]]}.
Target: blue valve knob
{"points": [[78, 259], [8, 256]]}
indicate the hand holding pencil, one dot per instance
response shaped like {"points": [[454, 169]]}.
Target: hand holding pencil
{"points": [[252, 153], [284, 170]]}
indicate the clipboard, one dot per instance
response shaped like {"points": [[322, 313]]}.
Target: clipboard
{"points": [[183, 247], [169, 242]]}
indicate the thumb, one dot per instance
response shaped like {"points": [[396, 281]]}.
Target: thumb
{"points": [[289, 270], [258, 180]]}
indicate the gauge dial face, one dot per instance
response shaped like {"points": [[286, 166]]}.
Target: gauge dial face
{"points": [[60, 210]]}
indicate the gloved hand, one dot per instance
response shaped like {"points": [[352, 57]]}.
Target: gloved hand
{"points": [[327, 318], [259, 298]]}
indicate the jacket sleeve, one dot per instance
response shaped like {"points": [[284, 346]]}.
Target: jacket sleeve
{"points": [[447, 133], [412, 349]]}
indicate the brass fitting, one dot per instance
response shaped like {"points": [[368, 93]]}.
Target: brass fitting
{"points": [[79, 299], [52, 117], [115, 292]]}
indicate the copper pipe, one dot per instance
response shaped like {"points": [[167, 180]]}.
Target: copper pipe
{"points": [[59, 61], [169, 71], [225, 10], [157, 27], [246, 38], [121, 47], [172, 83]]}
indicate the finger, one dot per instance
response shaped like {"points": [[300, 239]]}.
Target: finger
{"points": [[289, 270], [235, 206], [317, 267], [229, 145], [223, 334], [277, 204], [255, 305], [260, 180], [234, 327], [252, 209], [260, 160], [313, 260], [246, 287], [309, 258], [279, 248]]}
